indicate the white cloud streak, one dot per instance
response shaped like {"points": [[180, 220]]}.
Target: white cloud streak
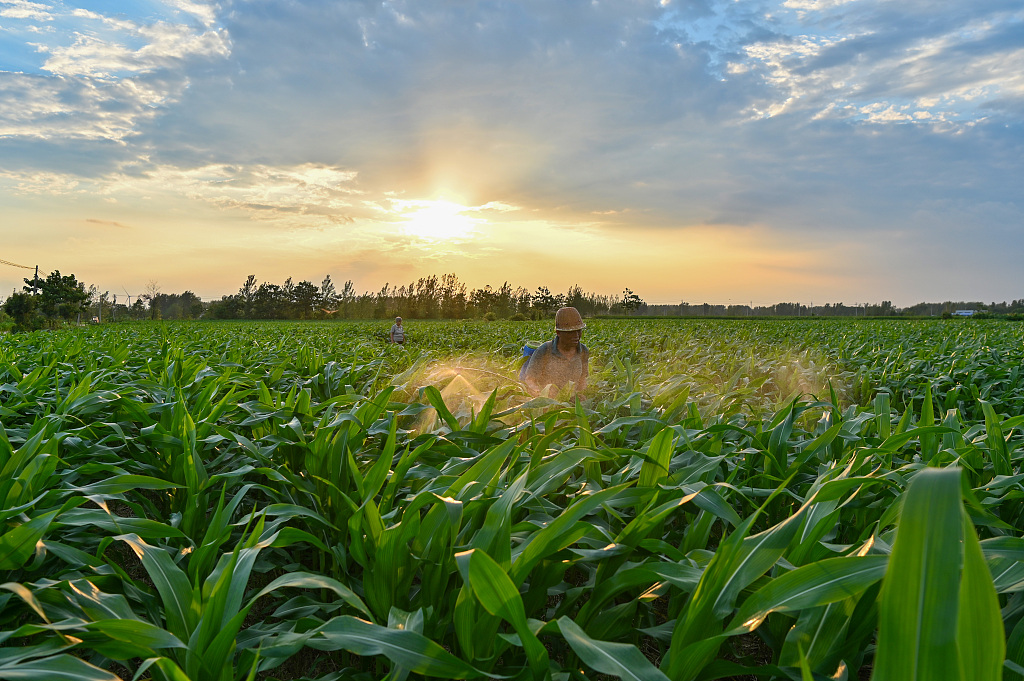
{"points": [[21, 9], [302, 195], [105, 80], [882, 74]]}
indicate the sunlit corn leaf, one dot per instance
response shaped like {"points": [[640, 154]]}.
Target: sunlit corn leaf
{"points": [[939, 615], [618, 659]]}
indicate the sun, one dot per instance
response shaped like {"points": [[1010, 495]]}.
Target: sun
{"points": [[438, 220]]}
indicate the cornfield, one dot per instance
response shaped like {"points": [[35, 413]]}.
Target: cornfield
{"points": [[802, 499]]}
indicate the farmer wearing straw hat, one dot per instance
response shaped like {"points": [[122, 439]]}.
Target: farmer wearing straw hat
{"points": [[560, 361]]}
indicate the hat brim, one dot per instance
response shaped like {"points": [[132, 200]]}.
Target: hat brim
{"points": [[574, 327]]}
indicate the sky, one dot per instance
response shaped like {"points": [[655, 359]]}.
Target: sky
{"points": [[721, 151]]}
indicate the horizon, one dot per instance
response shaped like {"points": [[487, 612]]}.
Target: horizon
{"points": [[702, 151]]}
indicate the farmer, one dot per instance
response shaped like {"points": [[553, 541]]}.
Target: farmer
{"points": [[560, 361], [397, 332]]}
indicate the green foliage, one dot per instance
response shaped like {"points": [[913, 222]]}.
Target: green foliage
{"points": [[59, 296], [21, 308], [631, 302], [306, 501]]}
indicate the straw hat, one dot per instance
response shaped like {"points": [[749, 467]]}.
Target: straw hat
{"points": [[569, 319]]}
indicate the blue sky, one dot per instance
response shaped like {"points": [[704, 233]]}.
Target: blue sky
{"points": [[706, 151]]}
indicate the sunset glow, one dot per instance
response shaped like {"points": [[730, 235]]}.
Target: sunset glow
{"points": [[438, 221]]}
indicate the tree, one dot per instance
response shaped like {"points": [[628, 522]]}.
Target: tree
{"points": [[247, 296], [22, 307], [544, 301], [453, 297], [228, 307], [59, 296], [267, 301], [346, 299], [151, 294], [631, 302], [138, 309], [305, 294], [328, 296]]}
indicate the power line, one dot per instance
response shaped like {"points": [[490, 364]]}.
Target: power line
{"points": [[14, 264]]}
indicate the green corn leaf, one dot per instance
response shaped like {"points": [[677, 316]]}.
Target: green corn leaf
{"points": [[147, 529], [486, 469], [883, 415], [499, 596], [120, 484], [995, 440], [549, 538], [980, 635], [308, 580], [918, 612], [136, 632], [56, 668], [818, 631], [168, 669], [408, 649], [618, 659], [819, 583], [375, 478], [22, 592], [17, 545], [433, 396], [171, 583], [480, 423], [929, 441], [659, 453], [938, 613]]}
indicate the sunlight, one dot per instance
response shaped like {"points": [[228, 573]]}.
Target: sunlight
{"points": [[438, 220]]}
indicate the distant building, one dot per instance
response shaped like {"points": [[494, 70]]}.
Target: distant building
{"points": [[964, 313]]}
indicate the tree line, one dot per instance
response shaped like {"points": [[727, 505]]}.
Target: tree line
{"points": [[429, 297], [791, 309], [60, 299]]}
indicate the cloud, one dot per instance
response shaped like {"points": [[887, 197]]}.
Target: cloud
{"points": [[164, 47], [104, 78], [304, 195], [891, 65], [21, 9], [205, 12], [106, 223], [41, 182], [48, 108]]}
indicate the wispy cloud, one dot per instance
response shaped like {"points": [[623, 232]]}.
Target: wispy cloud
{"points": [[22, 9], [305, 195], [885, 69], [106, 223], [104, 78]]}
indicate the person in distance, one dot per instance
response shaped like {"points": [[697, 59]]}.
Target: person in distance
{"points": [[397, 332]]}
